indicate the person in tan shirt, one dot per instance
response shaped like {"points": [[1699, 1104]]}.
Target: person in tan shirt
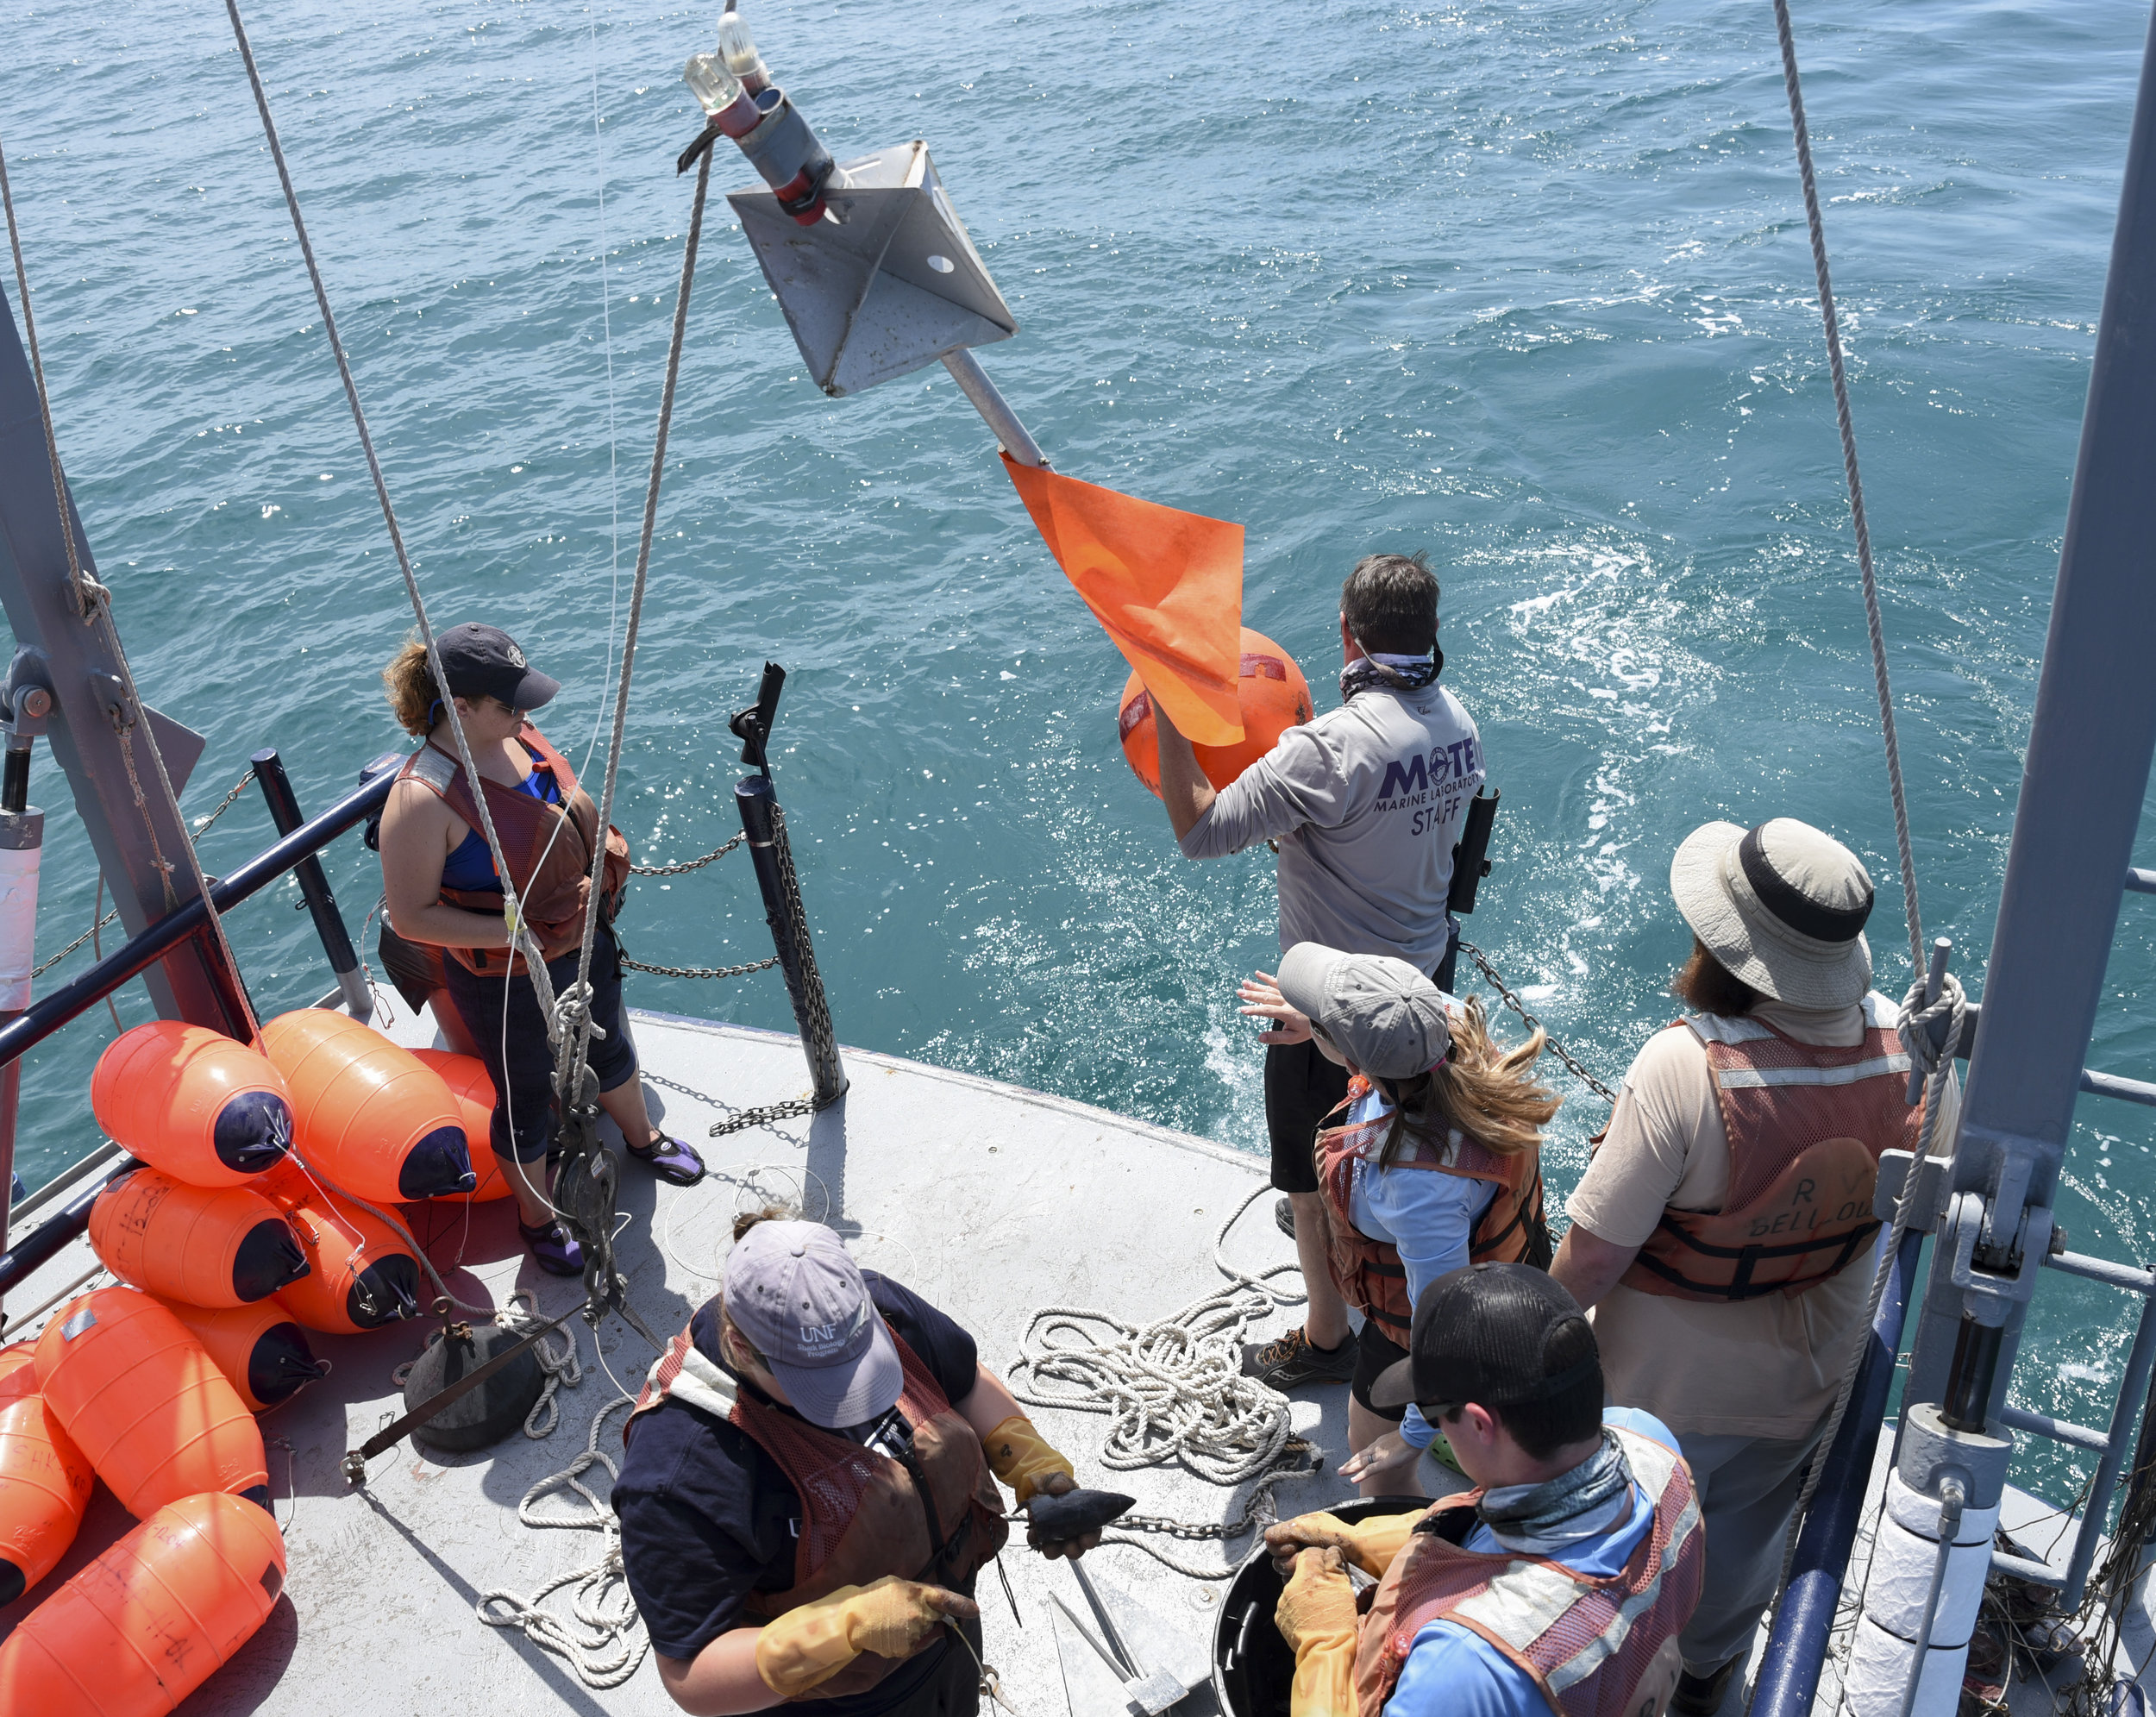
{"points": [[1731, 1319]]}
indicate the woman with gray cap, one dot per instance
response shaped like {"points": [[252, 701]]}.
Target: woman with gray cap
{"points": [[1723, 1232], [1433, 1162], [442, 889]]}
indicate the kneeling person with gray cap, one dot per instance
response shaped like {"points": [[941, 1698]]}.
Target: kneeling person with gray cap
{"points": [[1723, 1233], [1558, 1584], [807, 1493]]}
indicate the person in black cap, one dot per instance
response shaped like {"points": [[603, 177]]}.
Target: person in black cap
{"points": [[1577, 1557], [442, 891], [1723, 1233]]}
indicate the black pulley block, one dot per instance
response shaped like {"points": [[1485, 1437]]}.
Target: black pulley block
{"points": [[492, 1408]]}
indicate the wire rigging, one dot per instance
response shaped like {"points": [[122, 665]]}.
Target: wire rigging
{"points": [[520, 935]]}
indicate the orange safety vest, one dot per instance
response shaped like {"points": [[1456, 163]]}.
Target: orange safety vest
{"points": [[938, 1517], [552, 874], [1588, 1641], [1367, 1272], [1807, 1126]]}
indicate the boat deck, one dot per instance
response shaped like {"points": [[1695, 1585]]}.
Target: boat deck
{"points": [[988, 1199]]}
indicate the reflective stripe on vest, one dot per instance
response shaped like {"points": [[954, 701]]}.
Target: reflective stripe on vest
{"points": [[1587, 1641], [1807, 1124], [862, 1513], [1367, 1271]]}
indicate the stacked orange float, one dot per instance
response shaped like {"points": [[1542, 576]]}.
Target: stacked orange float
{"points": [[243, 1226]]}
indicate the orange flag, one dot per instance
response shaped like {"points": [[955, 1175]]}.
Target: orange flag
{"points": [[1167, 586]]}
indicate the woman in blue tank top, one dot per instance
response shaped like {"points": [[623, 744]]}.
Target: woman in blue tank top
{"points": [[430, 852]]}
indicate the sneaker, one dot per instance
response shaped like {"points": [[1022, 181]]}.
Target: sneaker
{"points": [[671, 1159], [553, 1249], [1702, 1696], [1284, 1217], [1288, 1362]]}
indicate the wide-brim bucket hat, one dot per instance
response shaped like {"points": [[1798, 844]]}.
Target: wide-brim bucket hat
{"points": [[1781, 907]]}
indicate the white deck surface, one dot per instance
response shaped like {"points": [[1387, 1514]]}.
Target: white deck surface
{"points": [[988, 1199]]}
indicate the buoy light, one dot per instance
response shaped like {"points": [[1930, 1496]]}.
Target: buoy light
{"points": [[720, 95], [739, 48]]}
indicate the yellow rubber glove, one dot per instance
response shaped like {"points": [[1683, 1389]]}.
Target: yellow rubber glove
{"points": [[807, 1646], [1371, 1544], [1316, 1617], [1020, 1456]]}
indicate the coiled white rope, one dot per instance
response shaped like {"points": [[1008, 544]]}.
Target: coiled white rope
{"points": [[603, 1639], [1173, 1390]]}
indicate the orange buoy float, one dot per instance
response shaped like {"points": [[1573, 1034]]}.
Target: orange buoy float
{"points": [[261, 1350], [466, 1078], [222, 1246], [146, 1624], [1271, 692], [191, 1101], [144, 1401], [362, 1274], [368, 1114], [44, 1488], [18, 1370]]}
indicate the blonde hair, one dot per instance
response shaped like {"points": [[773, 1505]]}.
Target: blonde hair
{"points": [[409, 683], [1481, 1090]]}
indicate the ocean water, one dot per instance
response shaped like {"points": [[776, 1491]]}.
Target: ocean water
{"points": [[1524, 286]]}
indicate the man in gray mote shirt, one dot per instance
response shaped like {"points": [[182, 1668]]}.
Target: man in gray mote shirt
{"points": [[1366, 803]]}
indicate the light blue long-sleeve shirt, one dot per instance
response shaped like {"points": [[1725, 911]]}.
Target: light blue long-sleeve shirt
{"points": [[1453, 1671], [1428, 1217]]}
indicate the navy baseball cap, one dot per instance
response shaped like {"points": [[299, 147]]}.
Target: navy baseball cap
{"points": [[1488, 1333], [484, 662]]}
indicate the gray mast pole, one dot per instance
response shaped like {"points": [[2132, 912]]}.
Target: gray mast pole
{"points": [[90, 705], [2082, 786]]}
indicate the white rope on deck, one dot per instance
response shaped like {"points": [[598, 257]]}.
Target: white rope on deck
{"points": [[603, 1639], [1174, 1389]]}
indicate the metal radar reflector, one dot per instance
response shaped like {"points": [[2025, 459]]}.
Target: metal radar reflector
{"points": [[886, 281]]}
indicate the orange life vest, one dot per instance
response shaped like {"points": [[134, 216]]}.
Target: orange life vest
{"points": [[1806, 1124], [938, 1517], [1588, 1641], [1367, 1272], [553, 872]]}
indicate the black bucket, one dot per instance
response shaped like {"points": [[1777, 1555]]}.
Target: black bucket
{"points": [[1253, 1668]]}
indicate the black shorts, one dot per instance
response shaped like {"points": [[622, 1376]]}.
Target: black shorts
{"points": [[504, 1018], [1301, 1088], [1374, 1352]]}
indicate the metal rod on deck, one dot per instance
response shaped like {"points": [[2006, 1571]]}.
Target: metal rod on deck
{"points": [[1789, 1672], [46, 1015], [768, 851], [314, 886], [995, 410]]}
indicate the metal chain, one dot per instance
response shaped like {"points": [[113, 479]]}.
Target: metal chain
{"points": [[1299, 1459], [1533, 1024], [824, 1038], [224, 805], [699, 971], [687, 865], [761, 1115]]}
